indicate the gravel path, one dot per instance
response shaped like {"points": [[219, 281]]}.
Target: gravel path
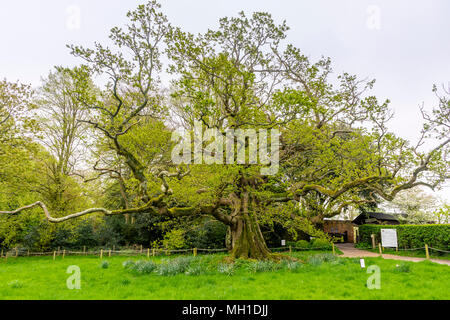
{"points": [[350, 251]]}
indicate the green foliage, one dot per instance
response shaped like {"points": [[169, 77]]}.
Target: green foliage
{"points": [[321, 244], [174, 239], [443, 214], [302, 244], [104, 265], [410, 236], [209, 234]]}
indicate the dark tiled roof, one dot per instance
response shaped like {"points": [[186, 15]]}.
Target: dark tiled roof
{"points": [[378, 216], [382, 216]]}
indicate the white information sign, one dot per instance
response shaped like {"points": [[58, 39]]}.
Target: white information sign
{"points": [[389, 238], [283, 242]]}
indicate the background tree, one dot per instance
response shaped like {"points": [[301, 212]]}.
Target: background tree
{"points": [[59, 114], [416, 204], [443, 214]]}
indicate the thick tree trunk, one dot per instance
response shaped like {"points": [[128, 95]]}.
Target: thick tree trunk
{"points": [[247, 240]]}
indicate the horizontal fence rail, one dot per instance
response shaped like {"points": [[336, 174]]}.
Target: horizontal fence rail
{"points": [[20, 252], [406, 249]]}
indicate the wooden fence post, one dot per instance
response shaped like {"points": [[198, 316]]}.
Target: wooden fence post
{"points": [[379, 248], [141, 248], [290, 249], [54, 255], [195, 252], [84, 250], [109, 253], [148, 253], [2, 254], [64, 253], [17, 252], [426, 252], [373, 240], [153, 252], [28, 252], [101, 253], [332, 244]]}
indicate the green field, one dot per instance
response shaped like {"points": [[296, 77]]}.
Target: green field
{"points": [[336, 278]]}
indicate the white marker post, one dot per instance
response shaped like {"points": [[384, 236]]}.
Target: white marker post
{"points": [[362, 263]]}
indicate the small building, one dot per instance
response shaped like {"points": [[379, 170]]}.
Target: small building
{"points": [[339, 229], [377, 218]]}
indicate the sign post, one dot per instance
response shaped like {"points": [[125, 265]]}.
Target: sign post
{"points": [[389, 238]]}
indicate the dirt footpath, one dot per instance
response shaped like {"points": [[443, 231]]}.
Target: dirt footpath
{"points": [[350, 251]]}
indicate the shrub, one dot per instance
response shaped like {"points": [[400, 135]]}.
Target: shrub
{"points": [[104, 264], [107, 235], [410, 236], [210, 234], [85, 234], [321, 243], [302, 244]]}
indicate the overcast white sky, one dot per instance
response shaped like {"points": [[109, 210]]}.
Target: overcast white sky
{"points": [[403, 44]]}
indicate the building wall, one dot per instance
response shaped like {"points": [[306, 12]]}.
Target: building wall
{"points": [[339, 226]]}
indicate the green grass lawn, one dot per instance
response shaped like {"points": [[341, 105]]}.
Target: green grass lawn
{"points": [[340, 278]]}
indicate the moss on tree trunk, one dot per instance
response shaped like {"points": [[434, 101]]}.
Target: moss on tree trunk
{"points": [[247, 240]]}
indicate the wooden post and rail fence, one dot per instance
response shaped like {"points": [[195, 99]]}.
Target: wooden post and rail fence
{"points": [[156, 251]]}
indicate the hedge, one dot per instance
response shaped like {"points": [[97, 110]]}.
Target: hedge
{"points": [[410, 236]]}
